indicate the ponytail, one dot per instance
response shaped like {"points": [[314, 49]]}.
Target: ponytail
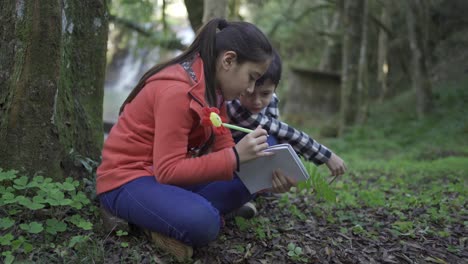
{"points": [[205, 45]]}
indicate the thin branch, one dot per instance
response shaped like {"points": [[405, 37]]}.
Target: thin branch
{"points": [[170, 43], [286, 15], [381, 25], [309, 10], [130, 25], [281, 19], [328, 34]]}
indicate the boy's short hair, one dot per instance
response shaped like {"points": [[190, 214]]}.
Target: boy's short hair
{"points": [[273, 72]]}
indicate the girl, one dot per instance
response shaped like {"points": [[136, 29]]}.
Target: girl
{"points": [[161, 169]]}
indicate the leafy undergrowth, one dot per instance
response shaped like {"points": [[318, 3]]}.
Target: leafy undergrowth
{"points": [[380, 216], [403, 200]]}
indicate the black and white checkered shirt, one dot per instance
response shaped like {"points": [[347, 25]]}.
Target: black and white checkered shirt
{"points": [[268, 119]]}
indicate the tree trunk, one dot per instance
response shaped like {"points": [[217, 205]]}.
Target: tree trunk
{"points": [[382, 54], [329, 60], [417, 38], [352, 26], [195, 13], [164, 18], [234, 10], [51, 77], [214, 9], [362, 82]]}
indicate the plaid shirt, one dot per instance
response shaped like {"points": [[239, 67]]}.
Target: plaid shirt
{"points": [[268, 119]]}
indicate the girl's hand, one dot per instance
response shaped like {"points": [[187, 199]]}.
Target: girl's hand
{"points": [[253, 145], [336, 165], [281, 183]]}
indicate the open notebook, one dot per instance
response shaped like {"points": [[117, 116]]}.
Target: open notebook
{"points": [[257, 174]]}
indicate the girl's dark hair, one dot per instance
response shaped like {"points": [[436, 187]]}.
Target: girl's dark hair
{"points": [[273, 72], [216, 36]]}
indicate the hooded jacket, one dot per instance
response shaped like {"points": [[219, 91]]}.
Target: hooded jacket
{"points": [[156, 131]]}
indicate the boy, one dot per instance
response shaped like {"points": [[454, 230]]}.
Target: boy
{"points": [[261, 108]]}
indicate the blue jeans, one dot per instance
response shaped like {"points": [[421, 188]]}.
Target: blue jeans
{"points": [[272, 140], [189, 214]]}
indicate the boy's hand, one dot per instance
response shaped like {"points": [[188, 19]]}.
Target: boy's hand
{"points": [[281, 183], [336, 165], [253, 145]]}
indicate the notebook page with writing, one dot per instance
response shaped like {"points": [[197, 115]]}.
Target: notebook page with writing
{"points": [[257, 174]]}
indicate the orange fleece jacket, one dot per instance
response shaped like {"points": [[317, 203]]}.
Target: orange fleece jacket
{"points": [[156, 130]]}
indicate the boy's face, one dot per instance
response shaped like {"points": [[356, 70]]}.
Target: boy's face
{"points": [[260, 98]]}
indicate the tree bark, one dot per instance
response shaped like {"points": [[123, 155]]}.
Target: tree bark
{"points": [[214, 9], [329, 60], [195, 13], [164, 18], [363, 72], [382, 54], [234, 10], [417, 38], [52, 69], [352, 26]]}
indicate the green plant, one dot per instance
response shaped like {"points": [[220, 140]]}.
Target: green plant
{"points": [[295, 253], [38, 212], [317, 183], [258, 225], [121, 233]]}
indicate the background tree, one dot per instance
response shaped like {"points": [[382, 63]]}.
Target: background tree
{"points": [[330, 59], [352, 37], [382, 52], [195, 13], [51, 77], [214, 8], [234, 10], [362, 79], [417, 21]]}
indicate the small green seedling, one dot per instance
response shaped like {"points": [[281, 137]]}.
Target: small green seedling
{"points": [[296, 253]]}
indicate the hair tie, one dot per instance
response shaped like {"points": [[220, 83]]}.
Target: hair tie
{"points": [[222, 24]]}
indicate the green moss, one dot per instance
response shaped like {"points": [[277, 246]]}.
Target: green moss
{"points": [[54, 101]]}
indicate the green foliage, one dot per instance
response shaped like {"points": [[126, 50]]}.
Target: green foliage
{"points": [[291, 24], [411, 173], [37, 213], [295, 253], [258, 225], [137, 24], [138, 11], [317, 183]]}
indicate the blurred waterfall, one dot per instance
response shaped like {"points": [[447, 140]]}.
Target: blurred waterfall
{"points": [[128, 65], [123, 73]]}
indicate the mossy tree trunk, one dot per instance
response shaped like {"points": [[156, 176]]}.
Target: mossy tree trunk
{"points": [[52, 66]]}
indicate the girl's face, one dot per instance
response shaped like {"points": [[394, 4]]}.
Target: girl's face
{"points": [[256, 101], [233, 78]]}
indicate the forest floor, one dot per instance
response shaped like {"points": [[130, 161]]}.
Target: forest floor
{"points": [[404, 199]]}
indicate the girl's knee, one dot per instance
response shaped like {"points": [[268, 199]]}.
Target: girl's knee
{"points": [[203, 226]]}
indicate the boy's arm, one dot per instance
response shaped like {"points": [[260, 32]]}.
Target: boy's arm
{"points": [[300, 141]]}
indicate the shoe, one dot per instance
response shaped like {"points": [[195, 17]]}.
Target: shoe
{"points": [[111, 222], [179, 250], [247, 211]]}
